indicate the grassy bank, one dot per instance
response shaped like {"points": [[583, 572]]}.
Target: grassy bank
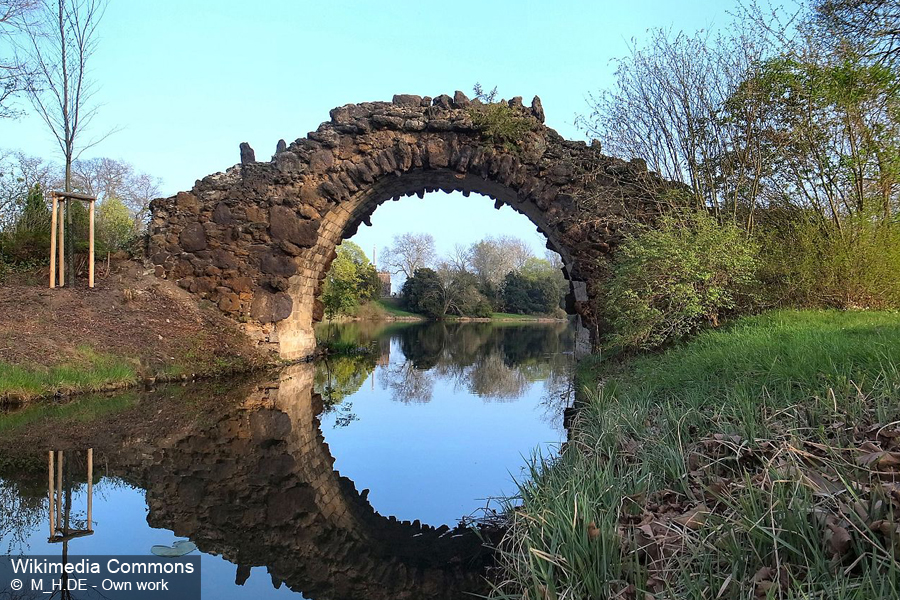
{"points": [[760, 460], [392, 308], [86, 371], [386, 309], [128, 328]]}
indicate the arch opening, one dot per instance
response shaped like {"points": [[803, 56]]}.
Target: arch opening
{"points": [[344, 223]]}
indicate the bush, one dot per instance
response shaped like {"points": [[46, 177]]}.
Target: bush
{"points": [[482, 310], [423, 293], [527, 295], [28, 240], [808, 263], [669, 281], [350, 281], [499, 123], [115, 226]]}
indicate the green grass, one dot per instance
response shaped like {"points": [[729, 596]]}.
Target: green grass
{"points": [[84, 409], [88, 371], [392, 307], [754, 461], [513, 317]]}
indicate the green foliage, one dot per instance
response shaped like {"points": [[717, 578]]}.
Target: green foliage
{"points": [[350, 281], [524, 294], [115, 225], [423, 293], [28, 240], [465, 298], [500, 124], [811, 263], [541, 268], [436, 295], [748, 429], [667, 282]]}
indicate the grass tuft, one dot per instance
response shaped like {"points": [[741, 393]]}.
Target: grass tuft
{"points": [[87, 371]]}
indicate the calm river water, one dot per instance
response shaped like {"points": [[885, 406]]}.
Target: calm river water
{"points": [[343, 479]]}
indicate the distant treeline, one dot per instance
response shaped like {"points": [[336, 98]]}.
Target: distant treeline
{"points": [[123, 194], [492, 275]]}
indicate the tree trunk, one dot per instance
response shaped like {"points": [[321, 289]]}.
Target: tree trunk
{"points": [[70, 237]]}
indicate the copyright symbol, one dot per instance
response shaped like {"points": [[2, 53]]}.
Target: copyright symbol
{"points": [[16, 584]]}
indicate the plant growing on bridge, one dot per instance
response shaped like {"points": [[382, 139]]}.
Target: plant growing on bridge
{"points": [[501, 124]]}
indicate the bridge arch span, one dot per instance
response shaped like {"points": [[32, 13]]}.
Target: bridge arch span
{"points": [[258, 239]]}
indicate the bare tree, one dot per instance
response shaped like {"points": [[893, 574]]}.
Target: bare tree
{"points": [[492, 258], [18, 174], [110, 178], [518, 251], [59, 45], [409, 252], [672, 105], [872, 25], [14, 73], [460, 258]]}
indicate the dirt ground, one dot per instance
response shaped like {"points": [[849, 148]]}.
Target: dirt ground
{"points": [[129, 314]]}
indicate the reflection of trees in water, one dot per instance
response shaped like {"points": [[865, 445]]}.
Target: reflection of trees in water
{"points": [[492, 378], [338, 377], [24, 505], [21, 511], [559, 391], [493, 362], [408, 383], [247, 475]]}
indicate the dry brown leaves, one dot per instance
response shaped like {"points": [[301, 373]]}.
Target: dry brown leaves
{"points": [[856, 486]]}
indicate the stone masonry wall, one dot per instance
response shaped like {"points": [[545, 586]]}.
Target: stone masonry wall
{"points": [[258, 239]]}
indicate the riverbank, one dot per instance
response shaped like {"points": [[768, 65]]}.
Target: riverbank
{"points": [[759, 460], [390, 309], [132, 327]]}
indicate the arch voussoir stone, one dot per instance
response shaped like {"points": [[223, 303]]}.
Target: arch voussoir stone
{"points": [[257, 240]]}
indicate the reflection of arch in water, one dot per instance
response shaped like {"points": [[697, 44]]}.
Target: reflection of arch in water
{"points": [[258, 487]]}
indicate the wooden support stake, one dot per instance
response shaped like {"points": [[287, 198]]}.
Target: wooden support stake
{"points": [[91, 247], [50, 488], [59, 469], [90, 484], [53, 241], [62, 234]]}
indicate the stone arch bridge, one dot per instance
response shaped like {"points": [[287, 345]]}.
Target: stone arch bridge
{"points": [[258, 239]]}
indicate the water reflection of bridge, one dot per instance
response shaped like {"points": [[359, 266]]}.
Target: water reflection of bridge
{"points": [[258, 487], [253, 481]]}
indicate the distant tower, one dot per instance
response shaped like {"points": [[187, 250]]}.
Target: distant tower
{"points": [[383, 276]]}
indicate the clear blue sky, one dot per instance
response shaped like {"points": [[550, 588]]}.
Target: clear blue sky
{"points": [[188, 80]]}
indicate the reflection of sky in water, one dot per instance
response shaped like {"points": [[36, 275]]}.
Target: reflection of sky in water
{"points": [[428, 447], [120, 528]]}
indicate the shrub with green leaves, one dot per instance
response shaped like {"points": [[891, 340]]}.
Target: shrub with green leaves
{"points": [[851, 264], [351, 280], [424, 293], [115, 225], [667, 282], [28, 239], [501, 124]]}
